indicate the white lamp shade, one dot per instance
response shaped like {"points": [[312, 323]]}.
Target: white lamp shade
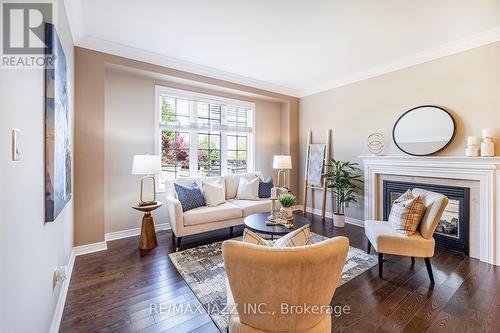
{"points": [[146, 165], [282, 162]]}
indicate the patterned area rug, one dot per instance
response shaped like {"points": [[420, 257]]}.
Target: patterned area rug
{"points": [[203, 270]]}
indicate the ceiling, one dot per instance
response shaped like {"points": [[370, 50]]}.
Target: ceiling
{"points": [[295, 47]]}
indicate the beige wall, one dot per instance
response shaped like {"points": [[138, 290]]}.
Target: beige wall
{"points": [[115, 109], [129, 130], [466, 84], [89, 148], [30, 249]]}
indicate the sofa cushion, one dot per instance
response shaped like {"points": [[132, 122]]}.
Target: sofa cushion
{"points": [[186, 181], [253, 206], [299, 237], [265, 188], [201, 215], [214, 192], [232, 182], [248, 189], [189, 180], [406, 214], [189, 196], [387, 240], [252, 238]]}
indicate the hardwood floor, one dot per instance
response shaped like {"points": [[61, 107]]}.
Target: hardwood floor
{"points": [[111, 291]]}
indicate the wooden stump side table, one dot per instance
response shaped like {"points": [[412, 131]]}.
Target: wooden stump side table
{"points": [[147, 239]]}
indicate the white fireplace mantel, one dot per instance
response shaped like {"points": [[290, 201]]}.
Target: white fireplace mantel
{"points": [[485, 170]]}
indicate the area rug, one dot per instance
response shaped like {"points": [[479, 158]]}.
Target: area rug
{"points": [[202, 268]]}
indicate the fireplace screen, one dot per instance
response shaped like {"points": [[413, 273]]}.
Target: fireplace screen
{"points": [[452, 232]]}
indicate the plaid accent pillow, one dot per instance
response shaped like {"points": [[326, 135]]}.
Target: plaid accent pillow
{"points": [[406, 215], [298, 237], [252, 238]]}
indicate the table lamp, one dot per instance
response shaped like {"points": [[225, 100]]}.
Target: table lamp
{"points": [[149, 166], [282, 162]]}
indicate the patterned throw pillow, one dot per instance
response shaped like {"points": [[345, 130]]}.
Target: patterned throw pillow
{"points": [[189, 196], [265, 188], [298, 237], [252, 238], [406, 213]]}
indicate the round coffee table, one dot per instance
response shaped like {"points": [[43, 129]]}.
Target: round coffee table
{"points": [[257, 223]]}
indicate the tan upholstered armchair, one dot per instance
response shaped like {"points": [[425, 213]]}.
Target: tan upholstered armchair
{"points": [[385, 239], [272, 280]]}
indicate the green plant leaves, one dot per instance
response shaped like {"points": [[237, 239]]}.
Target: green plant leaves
{"points": [[344, 179], [286, 200]]}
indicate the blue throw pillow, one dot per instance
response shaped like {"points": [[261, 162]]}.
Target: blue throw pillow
{"points": [[265, 188], [189, 196]]}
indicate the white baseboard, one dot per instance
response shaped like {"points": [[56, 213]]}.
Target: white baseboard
{"points": [[90, 248], [349, 220], [61, 301], [132, 232]]}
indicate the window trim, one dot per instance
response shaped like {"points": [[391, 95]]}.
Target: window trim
{"points": [[211, 99]]}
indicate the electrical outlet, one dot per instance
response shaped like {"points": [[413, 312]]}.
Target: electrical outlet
{"points": [[60, 274]]}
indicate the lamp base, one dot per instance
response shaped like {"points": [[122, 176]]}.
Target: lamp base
{"points": [[152, 200], [282, 174]]}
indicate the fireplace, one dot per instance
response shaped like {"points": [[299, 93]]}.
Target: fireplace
{"points": [[452, 232]]}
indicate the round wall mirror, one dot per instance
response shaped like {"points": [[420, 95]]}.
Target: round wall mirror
{"points": [[424, 130]]}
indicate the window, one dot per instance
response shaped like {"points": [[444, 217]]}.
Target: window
{"points": [[175, 153], [237, 149], [217, 131]]}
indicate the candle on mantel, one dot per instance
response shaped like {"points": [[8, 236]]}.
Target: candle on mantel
{"points": [[472, 148], [472, 140], [487, 133], [487, 145]]}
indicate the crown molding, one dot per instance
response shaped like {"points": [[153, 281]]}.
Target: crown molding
{"points": [[461, 45], [74, 10], [125, 51]]}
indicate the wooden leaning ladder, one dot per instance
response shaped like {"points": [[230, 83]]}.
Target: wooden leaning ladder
{"points": [[324, 183]]}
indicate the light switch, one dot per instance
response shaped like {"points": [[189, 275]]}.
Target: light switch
{"points": [[16, 154]]}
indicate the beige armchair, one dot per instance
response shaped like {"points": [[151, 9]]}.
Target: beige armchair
{"points": [[385, 240], [265, 283]]}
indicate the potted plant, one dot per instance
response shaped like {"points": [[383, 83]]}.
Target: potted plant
{"points": [[344, 179], [287, 201]]}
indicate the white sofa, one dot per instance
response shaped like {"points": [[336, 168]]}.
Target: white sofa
{"points": [[227, 215]]}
